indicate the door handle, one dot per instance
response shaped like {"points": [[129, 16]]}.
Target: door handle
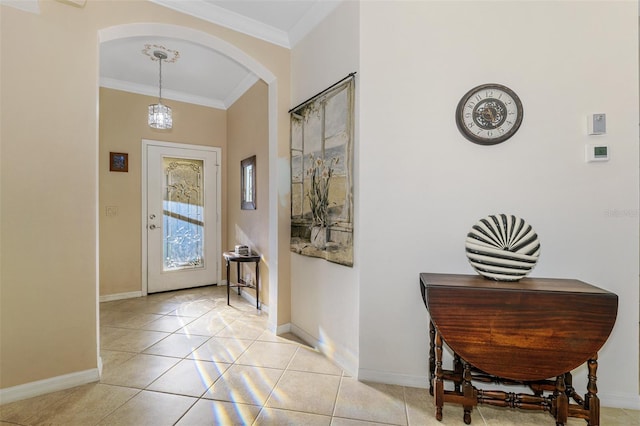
{"points": [[152, 226]]}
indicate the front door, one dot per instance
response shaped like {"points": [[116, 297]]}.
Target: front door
{"points": [[181, 222]]}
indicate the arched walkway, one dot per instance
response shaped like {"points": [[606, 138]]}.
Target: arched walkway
{"points": [[232, 52]]}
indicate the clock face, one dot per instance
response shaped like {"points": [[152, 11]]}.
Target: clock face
{"points": [[489, 114]]}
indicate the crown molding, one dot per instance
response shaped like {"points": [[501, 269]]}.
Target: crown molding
{"points": [[31, 6], [228, 19], [240, 89], [142, 89], [318, 12]]}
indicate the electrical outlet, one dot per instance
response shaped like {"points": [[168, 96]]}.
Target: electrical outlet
{"points": [[111, 211]]}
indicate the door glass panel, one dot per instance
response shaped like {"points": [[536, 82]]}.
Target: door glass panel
{"points": [[183, 214]]}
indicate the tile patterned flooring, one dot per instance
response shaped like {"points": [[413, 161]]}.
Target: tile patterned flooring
{"points": [[186, 358]]}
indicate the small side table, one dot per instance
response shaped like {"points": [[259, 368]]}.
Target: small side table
{"points": [[532, 333], [231, 256]]}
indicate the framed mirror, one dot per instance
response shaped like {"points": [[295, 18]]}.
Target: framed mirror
{"points": [[248, 183]]}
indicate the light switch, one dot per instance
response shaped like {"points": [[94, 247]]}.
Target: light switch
{"points": [[111, 211]]}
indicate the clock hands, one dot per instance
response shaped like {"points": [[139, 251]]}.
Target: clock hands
{"points": [[489, 114]]}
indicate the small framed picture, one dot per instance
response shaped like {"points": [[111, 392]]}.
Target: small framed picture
{"points": [[118, 162]]}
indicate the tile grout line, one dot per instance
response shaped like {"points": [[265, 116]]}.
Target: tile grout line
{"points": [[406, 408], [230, 365], [243, 315], [141, 352], [121, 405], [335, 402], [262, 407]]}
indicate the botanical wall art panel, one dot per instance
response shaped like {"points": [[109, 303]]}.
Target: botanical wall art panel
{"points": [[322, 174]]}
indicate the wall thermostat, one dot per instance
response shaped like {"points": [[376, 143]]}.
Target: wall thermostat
{"points": [[597, 153], [597, 124]]}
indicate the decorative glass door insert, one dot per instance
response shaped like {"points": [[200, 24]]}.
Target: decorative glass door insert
{"points": [[183, 214]]}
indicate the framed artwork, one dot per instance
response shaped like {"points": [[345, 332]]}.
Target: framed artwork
{"points": [[248, 183], [118, 162], [322, 174]]}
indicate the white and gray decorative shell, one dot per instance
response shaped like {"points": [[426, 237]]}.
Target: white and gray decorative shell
{"points": [[502, 247]]}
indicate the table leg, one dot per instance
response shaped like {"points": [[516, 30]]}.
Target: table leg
{"points": [[467, 390], [439, 381], [568, 383], [562, 401], [591, 400], [239, 280], [432, 356], [458, 372], [258, 284], [228, 282]]}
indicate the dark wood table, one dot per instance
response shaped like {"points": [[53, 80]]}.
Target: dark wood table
{"points": [[231, 256], [533, 332]]}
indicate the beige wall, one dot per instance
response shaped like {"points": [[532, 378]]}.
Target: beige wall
{"points": [[248, 131], [49, 177], [48, 218], [123, 124]]}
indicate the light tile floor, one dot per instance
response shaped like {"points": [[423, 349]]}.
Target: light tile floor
{"points": [[186, 358]]}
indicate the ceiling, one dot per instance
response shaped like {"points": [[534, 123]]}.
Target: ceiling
{"points": [[197, 74]]}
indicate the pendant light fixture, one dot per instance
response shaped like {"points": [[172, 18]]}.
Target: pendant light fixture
{"points": [[160, 114]]}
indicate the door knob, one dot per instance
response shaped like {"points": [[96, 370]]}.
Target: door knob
{"points": [[152, 226]]}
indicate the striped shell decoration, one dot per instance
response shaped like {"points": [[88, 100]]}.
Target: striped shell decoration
{"points": [[502, 247]]}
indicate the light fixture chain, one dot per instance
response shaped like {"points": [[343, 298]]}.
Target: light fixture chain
{"points": [[160, 99]]}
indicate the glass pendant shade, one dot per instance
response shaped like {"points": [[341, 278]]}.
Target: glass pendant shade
{"points": [[160, 116]]}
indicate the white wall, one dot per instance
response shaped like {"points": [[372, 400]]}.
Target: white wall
{"points": [[325, 296], [422, 185]]}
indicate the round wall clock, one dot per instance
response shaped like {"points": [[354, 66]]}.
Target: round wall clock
{"points": [[489, 114]]}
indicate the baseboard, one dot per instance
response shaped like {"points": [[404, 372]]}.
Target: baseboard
{"points": [[330, 349], [308, 338], [132, 294], [249, 298], [367, 375], [628, 401], [280, 329], [120, 296], [53, 384]]}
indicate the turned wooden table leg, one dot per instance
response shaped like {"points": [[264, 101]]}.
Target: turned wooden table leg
{"points": [[467, 390], [591, 400], [439, 381], [562, 401], [432, 356], [458, 372], [568, 383]]}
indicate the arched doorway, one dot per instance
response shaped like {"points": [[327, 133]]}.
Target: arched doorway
{"points": [[215, 44]]}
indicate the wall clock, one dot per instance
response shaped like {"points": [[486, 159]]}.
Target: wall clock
{"points": [[489, 114]]}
